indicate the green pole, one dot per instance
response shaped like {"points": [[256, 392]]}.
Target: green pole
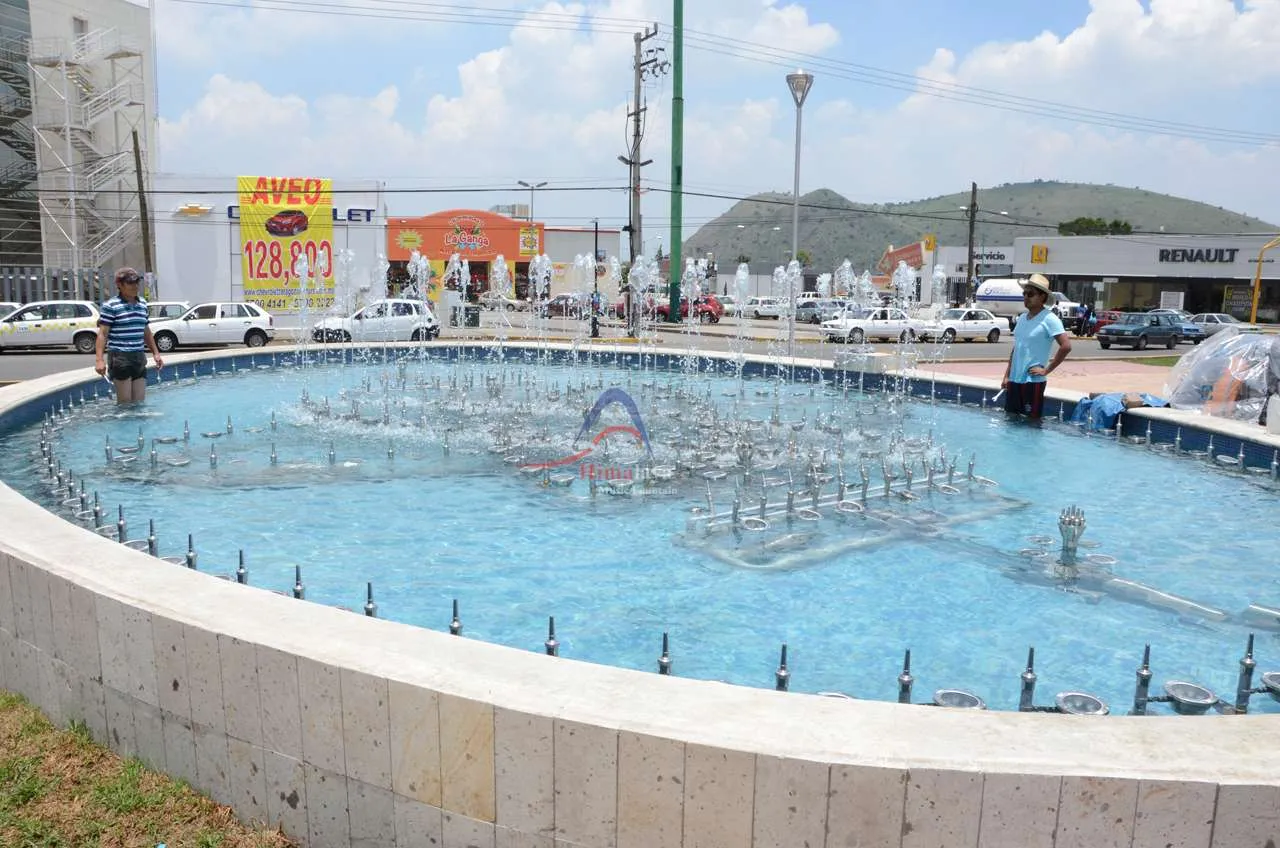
{"points": [[677, 156]]}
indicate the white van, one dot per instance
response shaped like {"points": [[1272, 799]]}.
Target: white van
{"points": [[1003, 296]]}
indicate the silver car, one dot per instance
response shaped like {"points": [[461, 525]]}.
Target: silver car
{"points": [[1216, 322]]}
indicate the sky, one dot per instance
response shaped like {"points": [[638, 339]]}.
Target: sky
{"points": [[451, 103]]}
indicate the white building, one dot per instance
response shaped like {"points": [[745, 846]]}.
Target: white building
{"points": [[77, 79], [199, 253], [1201, 273]]}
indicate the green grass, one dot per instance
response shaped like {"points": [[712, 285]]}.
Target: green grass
{"points": [[1157, 361], [60, 789]]}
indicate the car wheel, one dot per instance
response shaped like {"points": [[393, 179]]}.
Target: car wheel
{"points": [[511, 307], [756, 314], [907, 336], [1172, 343], [1141, 343], [948, 335], [705, 317], [166, 342], [86, 342], [344, 336], [1105, 345], [416, 337], [1195, 341], [255, 338], [993, 336], [857, 336]]}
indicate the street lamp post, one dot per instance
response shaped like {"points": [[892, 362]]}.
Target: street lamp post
{"points": [[799, 83], [595, 282], [531, 187]]}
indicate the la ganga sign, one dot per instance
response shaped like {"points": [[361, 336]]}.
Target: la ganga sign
{"points": [[355, 216]]}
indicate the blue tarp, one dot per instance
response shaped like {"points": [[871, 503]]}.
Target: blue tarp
{"points": [[1101, 412]]}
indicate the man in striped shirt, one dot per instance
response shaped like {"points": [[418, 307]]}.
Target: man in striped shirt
{"points": [[124, 337]]}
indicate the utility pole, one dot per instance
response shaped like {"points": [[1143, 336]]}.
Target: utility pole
{"points": [[973, 214], [677, 157], [143, 214], [654, 65]]}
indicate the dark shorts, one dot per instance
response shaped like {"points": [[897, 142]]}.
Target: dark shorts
{"points": [[1025, 399], [127, 365]]}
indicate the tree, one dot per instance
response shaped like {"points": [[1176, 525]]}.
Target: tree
{"points": [[658, 257], [742, 259], [1085, 226], [805, 258]]}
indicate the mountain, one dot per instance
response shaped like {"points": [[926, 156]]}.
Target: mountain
{"points": [[833, 228]]}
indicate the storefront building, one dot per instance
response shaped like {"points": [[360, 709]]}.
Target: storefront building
{"points": [[480, 238], [1198, 273]]}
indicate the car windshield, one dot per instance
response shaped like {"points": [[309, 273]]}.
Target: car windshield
{"points": [[952, 315]]}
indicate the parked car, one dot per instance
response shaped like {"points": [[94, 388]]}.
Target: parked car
{"points": [[390, 320], [52, 323], [497, 300], [817, 310], [160, 309], [570, 305], [1188, 330], [706, 309], [7, 306], [764, 307], [1139, 329], [729, 303], [216, 324], [290, 222], [967, 324], [858, 325], [1107, 316], [1216, 322]]}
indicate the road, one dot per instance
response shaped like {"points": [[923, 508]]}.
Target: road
{"points": [[758, 336]]}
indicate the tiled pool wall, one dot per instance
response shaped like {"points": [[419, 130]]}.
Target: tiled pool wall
{"points": [[351, 731]]}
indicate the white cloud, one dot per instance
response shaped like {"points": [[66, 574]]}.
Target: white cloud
{"points": [[550, 104]]}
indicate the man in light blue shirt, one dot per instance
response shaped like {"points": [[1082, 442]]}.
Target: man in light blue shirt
{"points": [[1029, 365]]}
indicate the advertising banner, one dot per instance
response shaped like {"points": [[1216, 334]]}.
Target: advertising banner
{"points": [[283, 220]]}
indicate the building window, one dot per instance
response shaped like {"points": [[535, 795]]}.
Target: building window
{"points": [[80, 27]]}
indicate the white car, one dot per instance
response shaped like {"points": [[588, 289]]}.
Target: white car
{"points": [[52, 323], [7, 306], [1216, 322], [763, 307], [730, 304], [392, 320], [158, 310], [858, 325], [498, 300], [216, 324], [967, 324]]}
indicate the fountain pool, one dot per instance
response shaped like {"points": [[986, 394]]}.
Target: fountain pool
{"points": [[437, 477]]}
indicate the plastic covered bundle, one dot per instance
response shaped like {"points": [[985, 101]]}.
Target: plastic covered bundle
{"points": [[1226, 376]]}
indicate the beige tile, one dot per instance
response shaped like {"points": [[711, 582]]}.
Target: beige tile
{"points": [[366, 734], [790, 803], [943, 808], [719, 788], [1096, 812], [586, 784], [1019, 810], [524, 766], [1247, 816], [650, 791], [1174, 814], [466, 758], [415, 742], [866, 806]]}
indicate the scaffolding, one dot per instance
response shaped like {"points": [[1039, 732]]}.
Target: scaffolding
{"points": [[19, 215], [87, 98]]}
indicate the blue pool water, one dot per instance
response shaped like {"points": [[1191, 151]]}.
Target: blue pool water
{"points": [[947, 576]]}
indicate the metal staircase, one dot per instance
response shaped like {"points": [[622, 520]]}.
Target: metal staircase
{"points": [[81, 150]]}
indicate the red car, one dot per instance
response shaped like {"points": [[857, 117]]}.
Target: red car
{"points": [[707, 309], [290, 222]]}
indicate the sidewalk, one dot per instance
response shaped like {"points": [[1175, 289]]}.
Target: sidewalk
{"points": [[1079, 375]]}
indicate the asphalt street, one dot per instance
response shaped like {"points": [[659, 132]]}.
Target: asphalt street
{"points": [[762, 336]]}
